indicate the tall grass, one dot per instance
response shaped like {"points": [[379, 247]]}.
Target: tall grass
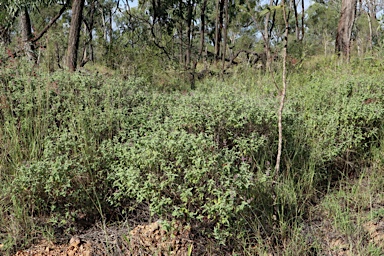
{"points": [[78, 148]]}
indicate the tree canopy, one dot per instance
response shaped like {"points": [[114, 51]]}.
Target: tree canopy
{"points": [[185, 34]]}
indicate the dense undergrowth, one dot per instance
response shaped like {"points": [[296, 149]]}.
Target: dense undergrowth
{"points": [[78, 149]]}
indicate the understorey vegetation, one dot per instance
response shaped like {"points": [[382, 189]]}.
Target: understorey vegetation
{"points": [[77, 149]]}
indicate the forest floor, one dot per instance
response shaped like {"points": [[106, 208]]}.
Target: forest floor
{"points": [[143, 240], [331, 235]]}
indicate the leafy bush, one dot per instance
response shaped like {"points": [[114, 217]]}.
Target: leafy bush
{"points": [[75, 145], [191, 158], [342, 119], [53, 127]]}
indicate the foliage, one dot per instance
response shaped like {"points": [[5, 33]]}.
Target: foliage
{"points": [[322, 22], [343, 118], [196, 163], [77, 147], [187, 156]]}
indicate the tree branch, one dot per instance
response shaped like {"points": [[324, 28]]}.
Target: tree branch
{"points": [[54, 19]]}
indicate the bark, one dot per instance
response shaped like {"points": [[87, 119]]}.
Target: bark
{"points": [[344, 28], [5, 35], [218, 26], [85, 57], [371, 15], [302, 19], [26, 35], [190, 5], [297, 31], [58, 57], [104, 22], [89, 24], [181, 57], [202, 28], [225, 31], [266, 38], [282, 93], [370, 45], [74, 34], [110, 27], [372, 7]]}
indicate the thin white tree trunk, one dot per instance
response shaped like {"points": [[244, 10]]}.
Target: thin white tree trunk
{"points": [[282, 94]]}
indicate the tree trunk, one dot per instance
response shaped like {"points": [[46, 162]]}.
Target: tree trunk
{"points": [[202, 28], [344, 29], [104, 22], [297, 31], [26, 34], [74, 34], [88, 53], [5, 35], [370, 45], [225, 31], [302, 19], [266, 38], [218, 26], [58, 57], [110, 32], [90, 33], [190, 5], [371, 14], [85, 57], [110, 27], [282, 93]]}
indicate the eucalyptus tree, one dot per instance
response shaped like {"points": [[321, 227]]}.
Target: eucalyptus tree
{"points": [[321, 21], [218, 26], [89, 25], [371, 15], [23, 8], [299, 32], [269, 21], [269, 24], [225, 31], [367, 25], [26, 34], [203, 8], [105, 14], [74, 34], [344, 28], [164, 20], [134, 40]]}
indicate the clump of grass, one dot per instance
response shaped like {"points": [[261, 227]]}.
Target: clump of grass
{"points": [[74, 145]]}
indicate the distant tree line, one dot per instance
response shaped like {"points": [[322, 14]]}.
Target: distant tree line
{"points": [[185, 33]]}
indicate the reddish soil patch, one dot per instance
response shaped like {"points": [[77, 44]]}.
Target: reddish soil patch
{"points": [[151, 239]]}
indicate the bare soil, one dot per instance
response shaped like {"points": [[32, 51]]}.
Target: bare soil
{"points": [[151, 239]]}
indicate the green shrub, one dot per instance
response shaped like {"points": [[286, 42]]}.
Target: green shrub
{"points": [[193, 157], [75, 145], [342, 118]]}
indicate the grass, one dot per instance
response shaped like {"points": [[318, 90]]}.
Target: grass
{"points": [[77, 149]]}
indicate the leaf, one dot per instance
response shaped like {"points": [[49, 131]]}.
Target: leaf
{"points": [[270, 9]]}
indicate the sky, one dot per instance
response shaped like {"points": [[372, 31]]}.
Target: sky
{"points": [[134, 4]]}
